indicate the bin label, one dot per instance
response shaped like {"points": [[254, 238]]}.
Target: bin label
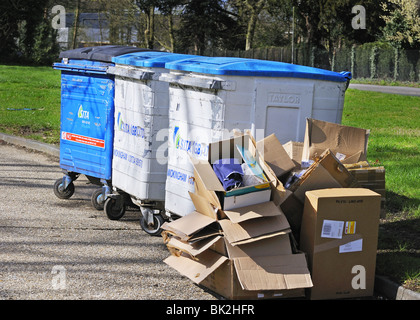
{"points": [[83, 139]]}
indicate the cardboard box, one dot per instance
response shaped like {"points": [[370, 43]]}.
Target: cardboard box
{"points": [[372, 178], [339, 233], [192, 227], [264, 269], [273, 153], [208, 185], [326, 172], [251, 259], [348, 144]]}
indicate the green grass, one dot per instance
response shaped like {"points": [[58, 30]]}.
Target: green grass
{"points": [[394, 143], [36, 89]]}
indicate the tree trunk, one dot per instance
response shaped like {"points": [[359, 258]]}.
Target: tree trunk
{"points": [[171, 32], [250, 32], [149, 32], [254, 9], [75, 24]]}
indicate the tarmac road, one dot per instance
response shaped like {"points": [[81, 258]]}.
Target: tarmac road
{"points": [[65, 249]]}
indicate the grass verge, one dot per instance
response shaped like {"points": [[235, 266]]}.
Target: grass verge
{"points": [[394, 142], [30, 102], [30, 107]]}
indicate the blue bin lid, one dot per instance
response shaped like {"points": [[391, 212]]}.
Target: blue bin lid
{"points": [[253, 67], [82, 66], [149, 58], [99, 53]]}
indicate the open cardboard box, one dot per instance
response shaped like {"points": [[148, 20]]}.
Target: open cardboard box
{"points": [[252, 258], [348, 144], [208, 185], [326, 172]]}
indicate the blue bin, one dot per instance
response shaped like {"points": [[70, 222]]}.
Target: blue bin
{"points": [[87, 118]]}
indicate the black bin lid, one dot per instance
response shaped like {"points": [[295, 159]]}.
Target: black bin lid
{"points": [[100, 53]]}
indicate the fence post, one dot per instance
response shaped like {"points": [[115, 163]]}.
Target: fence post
{"points": [[373, 61], [312, 57], [396, 62], [353, 60]]}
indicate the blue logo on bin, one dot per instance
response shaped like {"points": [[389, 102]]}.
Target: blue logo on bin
{"points": [[82, 114], [194, 147], [133, 130]]}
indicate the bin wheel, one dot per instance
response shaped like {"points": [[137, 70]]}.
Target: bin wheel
{"points": [[62, 193], [155, 229], [113, 209], [98, 199]]}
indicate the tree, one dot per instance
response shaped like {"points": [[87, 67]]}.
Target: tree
{"points": [[402, 27], [148, 8], [25, 30], [206, 23], [167, 8], [254, 8]]}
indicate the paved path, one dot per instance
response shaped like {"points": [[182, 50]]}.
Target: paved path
{"points": [[65, 249], [387, 89]]}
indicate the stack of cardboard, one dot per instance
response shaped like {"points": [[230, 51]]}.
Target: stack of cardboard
{"points": [[245, 251], [308, 229], [333, 214]]}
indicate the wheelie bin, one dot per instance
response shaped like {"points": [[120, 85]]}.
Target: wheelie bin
{"points": [[141, 125], [87, 119], [212, 96]]}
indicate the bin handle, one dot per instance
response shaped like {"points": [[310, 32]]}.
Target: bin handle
{"points": [[205, 83], [130, 73]]}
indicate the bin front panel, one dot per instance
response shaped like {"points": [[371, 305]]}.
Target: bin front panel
{"points": [[141, 122], [87, 119]]}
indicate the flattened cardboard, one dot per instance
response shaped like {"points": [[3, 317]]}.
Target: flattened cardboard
{"points": [[349, 144], [196, 269], [266, 209], [331, 260], [224, 281], [278, 245], [273, 272], [203, 206], [195, 248], [273, 153], [188, 227], [254, 230]]}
